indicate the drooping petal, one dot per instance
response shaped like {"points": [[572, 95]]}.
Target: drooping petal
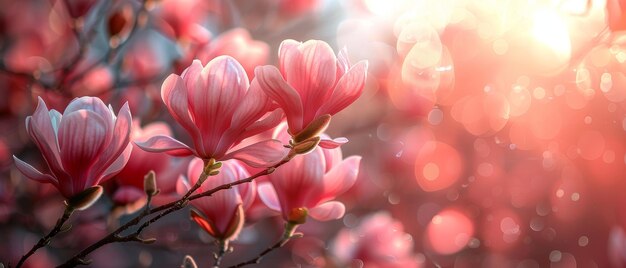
{"points": [[311, 70], [32, 173], [261, 154], [282, 93], [348, 89], [334, 143], [340, 178], [268, 196], [169, 145], [328, 211], [82, 140], [174, 94]]}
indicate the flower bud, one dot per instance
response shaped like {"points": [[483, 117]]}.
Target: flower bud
{"points": [[85, 198], [298, 215], [315, 128], [150, 184], [305, 146]]}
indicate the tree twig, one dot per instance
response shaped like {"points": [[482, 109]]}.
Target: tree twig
{"points": [[287, 235], [46, 239]]}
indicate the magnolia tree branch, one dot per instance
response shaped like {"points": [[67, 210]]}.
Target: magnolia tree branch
{"points": [[115, 236], [287, 235], [46, 239]]}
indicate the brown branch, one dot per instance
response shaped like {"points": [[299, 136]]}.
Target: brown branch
{"points": [[46, 239], [287, 235]]}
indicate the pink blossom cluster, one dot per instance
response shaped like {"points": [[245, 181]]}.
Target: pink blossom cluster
{"points": [[226, 117]]}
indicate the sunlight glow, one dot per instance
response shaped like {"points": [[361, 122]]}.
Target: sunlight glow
{"points": [[550, 29]]}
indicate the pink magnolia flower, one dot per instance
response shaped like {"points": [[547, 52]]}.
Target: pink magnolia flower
{"points": [[219, 109], [222, 214], [378, 241], [238, 44], [130, 180], [312, 82], [308, 183], [182, 19], [86, 145]]}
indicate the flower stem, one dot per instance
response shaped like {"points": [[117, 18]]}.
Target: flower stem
{"points": [[46, 239], [116, 236], [164, 210], [290, 228], [223, 247]]}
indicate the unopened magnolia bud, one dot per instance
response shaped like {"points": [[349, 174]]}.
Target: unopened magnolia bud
{"points": [[315, 128], [188, 262], [306, 146], [217, 165], [150, 184], [297, 215], [85, 198]]}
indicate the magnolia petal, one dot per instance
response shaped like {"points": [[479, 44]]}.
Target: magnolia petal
{"points": [[328, 211], [174, 95], [266, 123], [268, 196], [169, 145], [311, 71], [223, 83], [32, 173], [117, 165], [82, 137], [341, 177], [347, 90], [182, 185], [343, 62], [254, 105], [273, 84], [119, 142], [334, 143], [235, 224], [286, 47], [42, 126], [194, 170], [261, 154], [204, 223], [91, 104], [191, 73]]}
